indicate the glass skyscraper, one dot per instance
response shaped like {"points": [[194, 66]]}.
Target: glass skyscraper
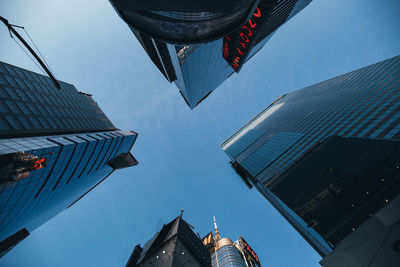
{"points": [[55, 146], [327, 157], [199, 66], [225, 253]]}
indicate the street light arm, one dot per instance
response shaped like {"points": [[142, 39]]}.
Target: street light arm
{"points": [[10, 27]]}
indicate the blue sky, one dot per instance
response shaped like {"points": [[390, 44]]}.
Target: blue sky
{"points": [[181, 162]]}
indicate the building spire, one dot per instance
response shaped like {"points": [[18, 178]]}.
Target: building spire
{"points": [[218, 237]]}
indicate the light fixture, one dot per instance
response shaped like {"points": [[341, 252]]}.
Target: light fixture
{"points": [[183, 253], [157, 257], [386, 200], [163, 251]]}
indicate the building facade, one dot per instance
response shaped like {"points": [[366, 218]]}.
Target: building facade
{"points": [[249, 255], [175, 245], [31, 106], [190, 21], [55, 146], [225, 253], [327, 156], [199, 66]]}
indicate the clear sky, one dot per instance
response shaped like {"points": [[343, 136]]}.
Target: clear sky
{"points": [[181, 162]]}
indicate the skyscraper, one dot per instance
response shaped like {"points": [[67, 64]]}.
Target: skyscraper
{"points": [[190, 21], [175, 245], [327, 157], [225, 253], [55, 146], [199, 46]]}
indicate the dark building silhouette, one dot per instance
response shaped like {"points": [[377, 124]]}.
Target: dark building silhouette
{"points": [[199, 44], [175, 245], [328, 158], [55, 146]]}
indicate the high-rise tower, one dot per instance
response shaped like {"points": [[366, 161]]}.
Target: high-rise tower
{"points": [[327, 157], [198, 44], [175, 245], [225, 253], [55, 146]]}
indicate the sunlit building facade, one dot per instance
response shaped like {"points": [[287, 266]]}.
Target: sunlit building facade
{"points": [[56, 145], [225, 253], [327, 157], [200, 60]]}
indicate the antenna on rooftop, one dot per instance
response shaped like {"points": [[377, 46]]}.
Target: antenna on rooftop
{"points": [[218, 237], [42, 64]]}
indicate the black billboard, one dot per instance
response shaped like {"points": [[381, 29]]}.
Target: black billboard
{"points": [[237, 46]]}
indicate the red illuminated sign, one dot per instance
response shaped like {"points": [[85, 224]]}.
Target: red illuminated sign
{"points": [[39, 163], [249, 251], [239, 44]]}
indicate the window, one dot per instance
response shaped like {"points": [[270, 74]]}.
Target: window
{"points": [[10, 69], [24, 123], [12, 107], [23, 108], [2, 80], [36, 124], [12, 122], [11, 93]]}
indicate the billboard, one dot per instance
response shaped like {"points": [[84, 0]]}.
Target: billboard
{"points": [[249, 253], [237, 46]]}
